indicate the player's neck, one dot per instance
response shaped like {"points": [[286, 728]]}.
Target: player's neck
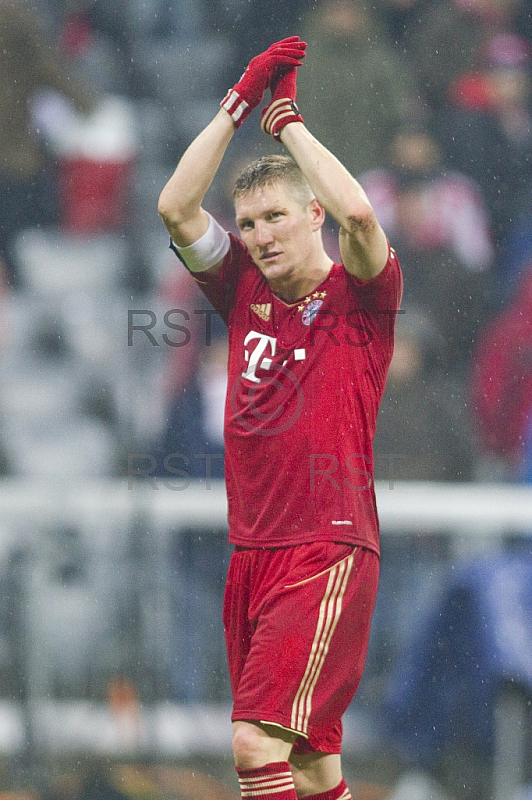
{"points": [[295, 286]]}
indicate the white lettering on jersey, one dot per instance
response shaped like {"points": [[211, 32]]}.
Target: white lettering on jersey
{"points": [[261, 355], [254, 358]]}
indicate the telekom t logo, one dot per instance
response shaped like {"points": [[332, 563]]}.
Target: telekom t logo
{"points": [[260, 356]]}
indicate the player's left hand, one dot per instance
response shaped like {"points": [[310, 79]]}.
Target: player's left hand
{"points": [[282, 110], [246, 95]]}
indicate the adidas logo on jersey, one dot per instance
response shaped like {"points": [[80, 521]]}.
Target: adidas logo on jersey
{"points": [[262, 310]]}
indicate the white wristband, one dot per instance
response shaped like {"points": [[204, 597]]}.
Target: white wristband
{"points": [[209, 249]]}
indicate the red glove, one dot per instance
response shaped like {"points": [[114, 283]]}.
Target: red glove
{"points": [[246, 95], [282, 108]]}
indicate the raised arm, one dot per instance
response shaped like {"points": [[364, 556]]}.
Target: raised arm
{"points": [[363, 243], [180, 200]]}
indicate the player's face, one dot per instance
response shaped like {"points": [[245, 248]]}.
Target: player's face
{"points": [[277, 230]]}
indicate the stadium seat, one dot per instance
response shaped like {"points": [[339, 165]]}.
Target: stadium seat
{"points": [[55, 263]]}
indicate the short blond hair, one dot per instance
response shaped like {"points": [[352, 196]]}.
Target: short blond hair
{"points": [[268, 170]]}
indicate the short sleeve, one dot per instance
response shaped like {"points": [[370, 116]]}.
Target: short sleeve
{"points": [[220, 290]]}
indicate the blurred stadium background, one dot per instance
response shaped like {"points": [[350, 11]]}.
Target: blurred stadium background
{"points": [[113, 553]]}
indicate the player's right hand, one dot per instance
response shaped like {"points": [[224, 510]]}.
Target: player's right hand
{"points": [[246, 95]]}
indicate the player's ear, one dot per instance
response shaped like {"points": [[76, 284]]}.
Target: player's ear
{"points": [[317, 213]]}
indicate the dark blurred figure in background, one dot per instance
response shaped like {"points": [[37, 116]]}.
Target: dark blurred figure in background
{"points": [[195, 416], [423, 430], [515, 253], [440, 224], [423, 434], [191, 447], [29, 63], [367, 89], [401, 17], [487, 130], [501, 389], [449, 211], [448, 37], [194, 381]]}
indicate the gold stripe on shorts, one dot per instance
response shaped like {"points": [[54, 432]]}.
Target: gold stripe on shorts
{"points": [[329, 614]]}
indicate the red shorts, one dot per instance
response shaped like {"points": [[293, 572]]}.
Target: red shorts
{"points": [[297, 623]]}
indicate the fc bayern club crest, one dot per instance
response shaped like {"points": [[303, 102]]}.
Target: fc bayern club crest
{"points": [[310, 311]]}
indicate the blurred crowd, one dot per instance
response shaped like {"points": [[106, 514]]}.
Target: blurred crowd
{"points": [[427, 102]]}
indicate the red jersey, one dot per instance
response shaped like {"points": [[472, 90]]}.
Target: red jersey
{"points": [[305, 380]]}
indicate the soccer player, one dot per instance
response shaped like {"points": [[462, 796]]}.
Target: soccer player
{"points": [[310, 342]]}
